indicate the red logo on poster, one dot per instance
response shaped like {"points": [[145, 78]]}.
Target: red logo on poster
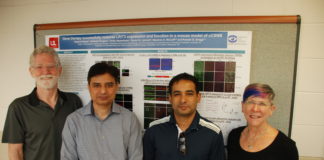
{"points": [[53, 42]]}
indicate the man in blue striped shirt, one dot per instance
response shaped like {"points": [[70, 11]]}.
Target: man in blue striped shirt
{"points": [[184, 134]]}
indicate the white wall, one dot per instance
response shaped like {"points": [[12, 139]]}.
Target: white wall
{"points": [[17, 18]]}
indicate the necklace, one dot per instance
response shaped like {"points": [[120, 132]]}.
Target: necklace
{"points": [[251, 141]]}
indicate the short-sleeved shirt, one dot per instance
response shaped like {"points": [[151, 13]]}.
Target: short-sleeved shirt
{"points": [[35, 124], [117, 137], [203, 140], [282, 148]]}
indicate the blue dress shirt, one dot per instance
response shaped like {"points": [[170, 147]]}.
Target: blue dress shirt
{"points": [[117, 137]]}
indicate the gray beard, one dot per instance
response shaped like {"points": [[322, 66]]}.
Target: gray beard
{"points": [[46, 84]]}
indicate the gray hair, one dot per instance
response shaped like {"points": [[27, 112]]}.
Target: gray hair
{"points": [[44, 50]]}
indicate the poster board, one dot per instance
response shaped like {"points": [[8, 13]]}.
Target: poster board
{"points": [[273, 58]]}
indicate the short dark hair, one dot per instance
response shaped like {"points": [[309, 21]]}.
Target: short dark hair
{"points": [[183, 76], [102, 68]]}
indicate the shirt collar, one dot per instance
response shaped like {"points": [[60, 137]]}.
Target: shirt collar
{"points": [[194, 124], [90, 111], [34, 100]]}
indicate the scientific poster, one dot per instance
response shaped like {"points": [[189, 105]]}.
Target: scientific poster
{"points": [[148, 60]]}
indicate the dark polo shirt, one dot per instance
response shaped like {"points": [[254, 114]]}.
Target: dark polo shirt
{"points": [[36, 125], [203, 140]]}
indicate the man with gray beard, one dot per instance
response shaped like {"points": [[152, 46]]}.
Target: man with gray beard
{"points": [[34, 122]]}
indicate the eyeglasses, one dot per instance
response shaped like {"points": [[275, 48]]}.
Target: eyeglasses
{"points": [[182, 143], [260, 104], [48, 67]]}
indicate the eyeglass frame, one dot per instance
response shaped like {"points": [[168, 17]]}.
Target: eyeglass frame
{"points": [[260, 104], [48, 67]]}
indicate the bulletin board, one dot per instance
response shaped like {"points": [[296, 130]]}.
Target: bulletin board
{"points": [[274, 48]]}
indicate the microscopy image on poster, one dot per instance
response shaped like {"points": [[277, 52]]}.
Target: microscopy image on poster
{"points": [[148, 60], [125, 100], [155, 111], [215, 76]]}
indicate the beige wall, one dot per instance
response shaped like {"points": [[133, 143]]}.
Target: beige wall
{"points": [[3, 150], [16, 42]]}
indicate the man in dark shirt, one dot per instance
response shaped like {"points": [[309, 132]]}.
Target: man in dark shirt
{"points": [[184, 134], [34, 122]]}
